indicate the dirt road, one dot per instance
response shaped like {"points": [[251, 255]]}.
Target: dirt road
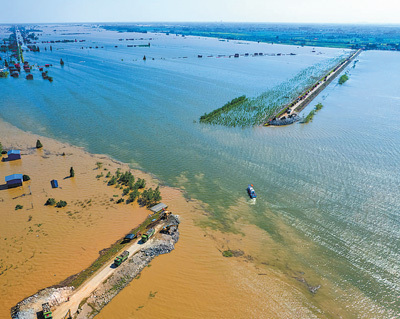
{"points": [[89, 286]]}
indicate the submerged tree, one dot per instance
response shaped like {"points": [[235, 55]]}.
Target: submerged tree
{"points": [[71, 172]]}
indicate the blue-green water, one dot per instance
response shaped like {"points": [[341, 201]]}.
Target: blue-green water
{"points": [[334, 181]]}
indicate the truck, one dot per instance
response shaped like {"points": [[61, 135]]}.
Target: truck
{"points": [[47, 314], [149, 233], [121, 258]]}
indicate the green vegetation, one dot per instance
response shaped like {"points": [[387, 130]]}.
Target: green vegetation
{"points": [[19, 207], [38, 144], [106, 255], [133, 196], [244, 112], [61, 204], [112, 181], [50, 202], [126, 182], [310, 115], [343, 79], [227, 253], [25, 178], [208, 117], [152, 294], [150, 197], [99, 165]]}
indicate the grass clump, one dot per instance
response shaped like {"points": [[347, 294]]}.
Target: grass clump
{"points": [[61, 204], [310, 115], [227, 253], [18, 207], [343, 79], [208, 117]]}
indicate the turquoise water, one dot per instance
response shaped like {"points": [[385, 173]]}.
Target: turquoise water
{"points": [[335, 181]]}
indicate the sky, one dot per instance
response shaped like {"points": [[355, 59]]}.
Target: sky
{"points": [[297, 11]]}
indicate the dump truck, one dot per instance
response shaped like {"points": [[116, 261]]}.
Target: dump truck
{"points": [[149, 233], [47, 314], [121, 258]]}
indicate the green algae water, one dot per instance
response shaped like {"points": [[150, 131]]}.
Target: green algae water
{"points": [[333, 181]]}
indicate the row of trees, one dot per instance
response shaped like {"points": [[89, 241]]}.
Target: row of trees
{"points": [[147, 197]]}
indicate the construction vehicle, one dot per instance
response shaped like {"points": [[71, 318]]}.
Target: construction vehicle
{"points": [[47, 314], [164, 215], [168, 229], [149, 233], [121, 258]]}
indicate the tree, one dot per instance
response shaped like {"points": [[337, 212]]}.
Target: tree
{"points": [[25, 178], [61, 204], [140, 183], [50, 202], [38, 144], [71, 172], [112, 181], [133, 195]]}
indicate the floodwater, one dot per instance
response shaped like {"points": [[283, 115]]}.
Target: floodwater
{"points": [[327, 191]]}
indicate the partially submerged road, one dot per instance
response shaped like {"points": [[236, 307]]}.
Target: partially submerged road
{"points": [[306, 97]]}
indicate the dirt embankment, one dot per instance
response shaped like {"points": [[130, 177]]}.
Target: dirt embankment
{"points": [[125, 273], [90, 302]]}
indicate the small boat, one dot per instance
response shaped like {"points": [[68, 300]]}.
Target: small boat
{"points": [[29, 77], [251, 192]]}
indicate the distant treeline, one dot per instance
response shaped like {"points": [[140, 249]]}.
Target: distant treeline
{"points": [[208, 117], [367, 37]]}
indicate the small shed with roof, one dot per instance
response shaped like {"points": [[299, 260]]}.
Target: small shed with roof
{"points": [[13, 155], [14, 180], [159, 207]]}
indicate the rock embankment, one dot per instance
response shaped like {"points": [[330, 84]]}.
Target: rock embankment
{"points": [[27, 308], [162, 244]]}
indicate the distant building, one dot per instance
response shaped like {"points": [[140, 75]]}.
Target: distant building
{"points": [[14, 180], [14, 155]]}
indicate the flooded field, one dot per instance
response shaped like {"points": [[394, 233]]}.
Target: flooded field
{"points": [[327, 209]]}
